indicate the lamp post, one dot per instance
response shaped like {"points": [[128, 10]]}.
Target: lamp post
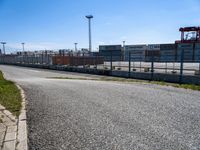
{"points": [[4, 51], [23, 46], [124, 49], [23, 52], [89, 17], [75, 46]]}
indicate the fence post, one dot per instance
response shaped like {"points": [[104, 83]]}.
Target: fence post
{"points": [[42, 58], [152, 66], [181, 66], [166, 67], [83, 60], [96, 60], [199, 67], [129, 64], [111, 60], [199, 63]]}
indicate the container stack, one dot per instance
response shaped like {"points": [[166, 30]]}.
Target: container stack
{"points": [[153, 52], [77, 60], [188, 52], [137, 52], [107, 51], [197, 52], [167, 52]]}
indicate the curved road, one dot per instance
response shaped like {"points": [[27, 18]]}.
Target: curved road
{"points": [[65, 114]]}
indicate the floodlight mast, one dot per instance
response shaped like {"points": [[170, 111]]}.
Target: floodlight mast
{"points": [[89, 17], [23, 46], [75, 46], [4, 51]]}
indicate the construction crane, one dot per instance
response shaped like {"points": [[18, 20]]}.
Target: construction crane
{"points": [[189, 35]]}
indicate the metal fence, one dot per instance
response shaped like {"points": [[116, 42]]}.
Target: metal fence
{"points": [[181, 64], [151, 64]]}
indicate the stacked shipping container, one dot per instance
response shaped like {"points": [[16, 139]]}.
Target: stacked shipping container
{"points": [[107, 51], [137, 52], [167, 52], [77, 60], [197, 52], [188, 52], [153, 52]]}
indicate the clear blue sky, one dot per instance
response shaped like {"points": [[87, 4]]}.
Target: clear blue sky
{"points": [[54, 24]]}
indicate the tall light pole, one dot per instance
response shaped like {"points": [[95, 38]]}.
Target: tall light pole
{"points": [[4, 51], [75, 46], [124, 49], [23, 52], [23, 46], [124, 44], [89, 17]]}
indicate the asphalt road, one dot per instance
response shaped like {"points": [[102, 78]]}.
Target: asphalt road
{"points": [[65, 114]]}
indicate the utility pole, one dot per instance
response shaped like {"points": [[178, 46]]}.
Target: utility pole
{"points": [[89, 17]]}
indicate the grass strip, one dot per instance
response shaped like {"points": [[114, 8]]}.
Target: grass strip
{"points": [[10, 96]]}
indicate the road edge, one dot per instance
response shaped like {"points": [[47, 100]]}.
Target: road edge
{"points": [[22, 132]]}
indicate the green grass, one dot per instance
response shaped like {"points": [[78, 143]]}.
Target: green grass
{"points": [[118, 79], [10, 96]]}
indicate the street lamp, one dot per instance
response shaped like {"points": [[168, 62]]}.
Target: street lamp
{"points": [[75, 46], [4, 51], [23, 46], [89, 17], [124, 44], [23, 52], [124, 48]]}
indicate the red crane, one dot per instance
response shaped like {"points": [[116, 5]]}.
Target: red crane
{"points": [[189, 35]]}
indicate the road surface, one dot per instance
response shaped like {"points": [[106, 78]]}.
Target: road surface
{"points": [[65, 114]]}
